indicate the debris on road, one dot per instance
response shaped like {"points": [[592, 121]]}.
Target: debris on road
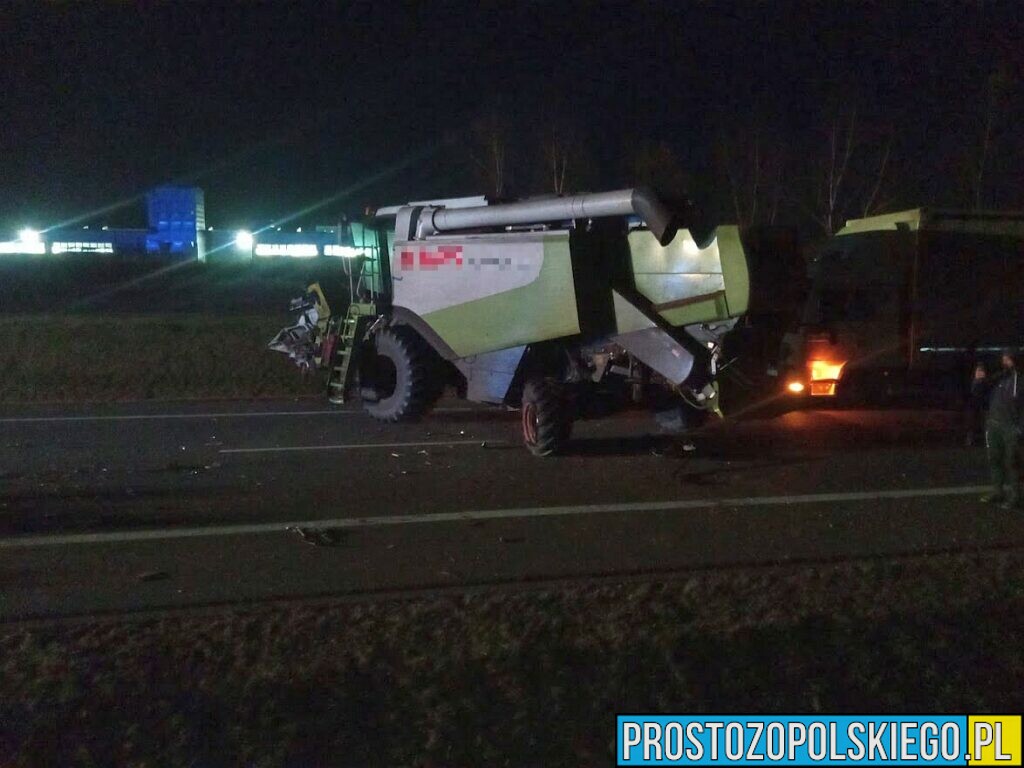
{"points": [[319, 537]]}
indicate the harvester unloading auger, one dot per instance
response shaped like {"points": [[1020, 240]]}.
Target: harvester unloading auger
{"points": [[566, 307]]}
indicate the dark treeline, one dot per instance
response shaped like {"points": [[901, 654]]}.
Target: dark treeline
{"points": [[787, 111], [853, 157]]}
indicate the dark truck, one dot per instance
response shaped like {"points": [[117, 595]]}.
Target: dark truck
{"points": [[906, 304]]}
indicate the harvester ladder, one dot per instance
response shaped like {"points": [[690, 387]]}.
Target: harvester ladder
{"points": [[346, 349]]}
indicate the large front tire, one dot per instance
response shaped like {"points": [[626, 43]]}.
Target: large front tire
{"points": [[546, 417], [402, 376]]}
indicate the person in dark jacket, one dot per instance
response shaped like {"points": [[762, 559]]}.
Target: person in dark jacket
{"points": [[973, 402], [1002, 428]]}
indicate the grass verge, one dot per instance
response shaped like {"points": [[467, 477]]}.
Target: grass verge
{"points": [[107, 358], [512, 678]]}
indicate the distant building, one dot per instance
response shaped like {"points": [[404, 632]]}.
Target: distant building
{"points": [[177, 221], [177, 228]]}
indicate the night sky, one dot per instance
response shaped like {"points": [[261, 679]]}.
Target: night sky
{"points": [[274, 107]]}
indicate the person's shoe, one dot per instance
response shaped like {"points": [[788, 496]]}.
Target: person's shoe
{"points": [[992, 498]]}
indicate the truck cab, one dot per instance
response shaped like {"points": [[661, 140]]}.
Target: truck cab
{"points": [[904, 304]]}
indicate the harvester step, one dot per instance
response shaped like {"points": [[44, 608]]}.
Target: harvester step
{"points": [[353, 327]]}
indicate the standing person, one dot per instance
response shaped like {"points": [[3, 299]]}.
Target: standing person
{"points": [[1002, 428], [973, 401]]}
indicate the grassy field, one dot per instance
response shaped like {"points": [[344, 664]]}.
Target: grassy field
{"points": [[110, 285], [94, 328], [82, 358], [512, 678]]}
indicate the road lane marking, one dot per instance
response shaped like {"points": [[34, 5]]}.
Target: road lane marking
{"points": [[486, 514], [224, 415], [362, 446]]}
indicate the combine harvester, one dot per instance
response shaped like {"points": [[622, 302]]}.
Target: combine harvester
{"points": [[568, 307]]}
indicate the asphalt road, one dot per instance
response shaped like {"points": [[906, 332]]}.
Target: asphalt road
{"points": [[114, 508]]}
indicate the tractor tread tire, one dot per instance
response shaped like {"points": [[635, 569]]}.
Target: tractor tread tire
{"points": [[416, 376], [547, 417]]}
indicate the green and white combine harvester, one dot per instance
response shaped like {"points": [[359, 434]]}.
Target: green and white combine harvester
{"points": [[567, 307]]}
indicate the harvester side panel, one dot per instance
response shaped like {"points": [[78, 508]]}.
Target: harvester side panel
{"points": [[482, 293], [687, 283]]}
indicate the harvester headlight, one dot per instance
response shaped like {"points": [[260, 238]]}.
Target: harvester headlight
{"points": [[243, 240], [795, 387], [29, 236]]}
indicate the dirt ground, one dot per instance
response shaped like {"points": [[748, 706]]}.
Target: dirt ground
{"points": [[529, 677]]}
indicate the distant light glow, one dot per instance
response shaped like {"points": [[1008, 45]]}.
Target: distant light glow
{"points": [[29, 236], [345, 251], [296, 250], [21, 248], [796, 387], [63, 247], [243, 240]]}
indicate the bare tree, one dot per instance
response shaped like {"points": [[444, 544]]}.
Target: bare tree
{"points": [[997, 89], [559, 149], [874, 201], [830, 186], [658, 166], [851, 176], [490, 152], [753, 167]]}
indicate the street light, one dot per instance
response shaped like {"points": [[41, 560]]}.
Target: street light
{"points": [[243, 240]]}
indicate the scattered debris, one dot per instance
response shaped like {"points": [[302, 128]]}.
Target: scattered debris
{"points": [[318, 537]]}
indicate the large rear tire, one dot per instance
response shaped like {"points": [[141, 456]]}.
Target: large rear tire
{"points": [[403, 375], [546, 417]]}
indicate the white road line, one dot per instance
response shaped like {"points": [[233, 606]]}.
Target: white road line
{"points": [[362, 446], [225, 415], [486, 514]]}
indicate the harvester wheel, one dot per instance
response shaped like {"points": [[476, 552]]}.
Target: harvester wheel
{"points": [[402, 375], [546, 416]]}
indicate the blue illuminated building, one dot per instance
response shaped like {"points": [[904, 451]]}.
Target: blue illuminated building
{"points": [[177, 229], [177, 221]]}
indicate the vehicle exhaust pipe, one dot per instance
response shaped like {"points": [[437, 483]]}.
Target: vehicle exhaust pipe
{"points": [[640, 201]]}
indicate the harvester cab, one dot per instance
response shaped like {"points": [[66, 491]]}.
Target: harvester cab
{"points": [[564, 306]]}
